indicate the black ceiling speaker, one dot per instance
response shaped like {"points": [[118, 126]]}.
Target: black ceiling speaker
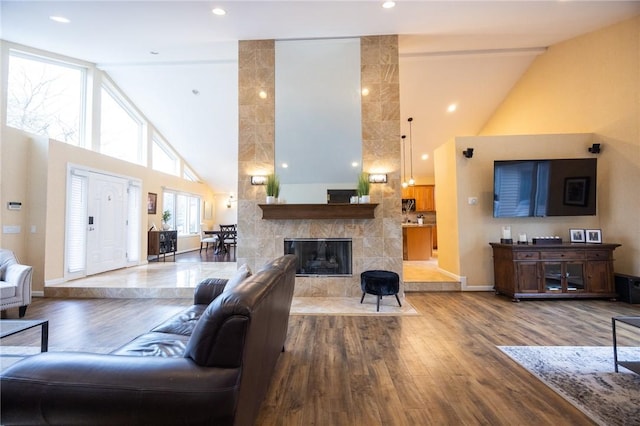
{"points": [[595, 148], [468, 153]]}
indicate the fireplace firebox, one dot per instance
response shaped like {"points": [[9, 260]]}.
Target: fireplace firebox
{"points": [[321, 256]]}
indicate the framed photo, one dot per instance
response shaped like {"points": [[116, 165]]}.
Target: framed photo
{"points": [[594, 236], [152, 202], [576, 191], [577, 235]]}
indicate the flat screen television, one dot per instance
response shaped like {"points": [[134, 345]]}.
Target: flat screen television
{"points": [[539, 188]]}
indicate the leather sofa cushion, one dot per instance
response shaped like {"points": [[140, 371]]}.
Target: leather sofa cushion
{"points": [[182, 323], [155, 344]]}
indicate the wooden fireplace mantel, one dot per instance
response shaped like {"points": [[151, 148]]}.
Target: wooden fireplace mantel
{"points": [[318, 211]]}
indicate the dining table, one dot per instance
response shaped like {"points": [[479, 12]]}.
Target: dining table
{"points": [[220, 247]]}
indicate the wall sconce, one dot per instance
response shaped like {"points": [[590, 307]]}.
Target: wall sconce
{"points": [[595, 148], [468, 153], [378, 178], [258, 180]]}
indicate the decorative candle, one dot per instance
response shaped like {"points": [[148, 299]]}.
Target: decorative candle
{"points": [[506, 232]]}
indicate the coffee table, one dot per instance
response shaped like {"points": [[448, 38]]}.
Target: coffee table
{"points": [[631, 365], [11, 327]]}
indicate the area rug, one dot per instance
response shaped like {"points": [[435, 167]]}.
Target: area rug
{"points": [[350, 306], [585, 376]]}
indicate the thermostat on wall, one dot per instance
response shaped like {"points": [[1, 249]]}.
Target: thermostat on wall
{"points": [[14, 205]]}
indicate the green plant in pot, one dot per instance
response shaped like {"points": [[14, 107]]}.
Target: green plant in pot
{"points": [[273, 188], [166, 217], [363, 187]]}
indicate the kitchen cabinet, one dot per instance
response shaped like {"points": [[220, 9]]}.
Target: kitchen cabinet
{"points": [[424, 196], [554, 270], [416, 242]]}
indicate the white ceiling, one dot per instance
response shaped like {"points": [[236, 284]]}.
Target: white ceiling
{"points": [[468, 52]]}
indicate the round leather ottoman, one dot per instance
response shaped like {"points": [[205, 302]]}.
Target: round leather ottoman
{"points": [[380, 283]]}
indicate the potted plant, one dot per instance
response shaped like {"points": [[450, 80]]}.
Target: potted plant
{"points": [[363, 187], [273, 188], [166, 217]]}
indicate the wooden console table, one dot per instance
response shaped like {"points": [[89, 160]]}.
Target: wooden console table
{"points": [[536, 271], [161, 243]]}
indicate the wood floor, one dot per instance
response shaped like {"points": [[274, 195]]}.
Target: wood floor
{"points": [[439, 368]]}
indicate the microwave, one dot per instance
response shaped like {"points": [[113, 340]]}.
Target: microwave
{"points": [[408, 205]]}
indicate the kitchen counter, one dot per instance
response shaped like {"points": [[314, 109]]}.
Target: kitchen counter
{"points": [[414, 225]]}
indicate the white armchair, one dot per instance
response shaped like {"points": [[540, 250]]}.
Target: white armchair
{"points": [[15, 283]]}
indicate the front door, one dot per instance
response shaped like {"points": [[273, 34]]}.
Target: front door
{"points": [[106, 223]]}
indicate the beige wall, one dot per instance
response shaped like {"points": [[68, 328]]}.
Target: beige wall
{"points": [[35, 173], [377, 243], [581, 91], [590, 84]]}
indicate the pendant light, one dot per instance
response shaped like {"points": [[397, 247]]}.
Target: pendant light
{"points": [[404, 164], [411, 180]]}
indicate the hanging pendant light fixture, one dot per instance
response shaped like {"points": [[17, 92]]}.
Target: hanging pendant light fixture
{"points": [[411, 180], [404, 164]]}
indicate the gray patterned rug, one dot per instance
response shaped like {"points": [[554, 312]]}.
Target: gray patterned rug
{"points": [[585, 376]]}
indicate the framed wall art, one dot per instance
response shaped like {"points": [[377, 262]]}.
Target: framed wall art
{"points": [[152, 202]]}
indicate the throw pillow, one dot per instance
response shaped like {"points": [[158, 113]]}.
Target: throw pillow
{"points": [[241, 274]]}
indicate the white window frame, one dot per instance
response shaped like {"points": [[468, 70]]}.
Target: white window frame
{"points": [[66, 63], [158, 142], [177, 194], [130, 109]]}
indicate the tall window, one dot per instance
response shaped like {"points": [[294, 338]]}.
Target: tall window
{"points": [[121, 130], [163, 157], [185, 211], [188, 174], [46, 97]]}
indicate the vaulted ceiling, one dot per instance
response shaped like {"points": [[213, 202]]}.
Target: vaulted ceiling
{"points": [[465, 52]]}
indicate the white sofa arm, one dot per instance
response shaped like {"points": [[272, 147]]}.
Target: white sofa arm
{"points": [[21, 276]]}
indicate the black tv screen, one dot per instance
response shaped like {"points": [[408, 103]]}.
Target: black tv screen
{"points": [[538, 188]]}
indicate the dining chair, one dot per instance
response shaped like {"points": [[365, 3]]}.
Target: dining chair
{"points": [[229, 237], [207, 239]]}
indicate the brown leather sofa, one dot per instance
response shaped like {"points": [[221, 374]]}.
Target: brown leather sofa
{"points": [[210, 364]]}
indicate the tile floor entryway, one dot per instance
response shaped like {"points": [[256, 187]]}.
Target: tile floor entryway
{"points": [[178, 279]]}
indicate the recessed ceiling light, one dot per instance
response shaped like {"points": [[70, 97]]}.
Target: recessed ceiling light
{"points": [[284, 165], [262, 94], [452, 107], [425, 156], [219, 11], [365, 92], [389, 4], [355, 164], [60, 19]]}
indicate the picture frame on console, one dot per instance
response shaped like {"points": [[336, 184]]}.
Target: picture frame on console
{"points": [[577, 235], [594, 236]]}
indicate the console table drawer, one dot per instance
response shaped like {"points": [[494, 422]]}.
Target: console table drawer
{"points": [[562, 255], [528, 255], [599, 255]]}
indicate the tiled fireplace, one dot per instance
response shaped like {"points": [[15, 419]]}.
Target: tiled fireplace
{"points": [[321, 256], [376, 243]]}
